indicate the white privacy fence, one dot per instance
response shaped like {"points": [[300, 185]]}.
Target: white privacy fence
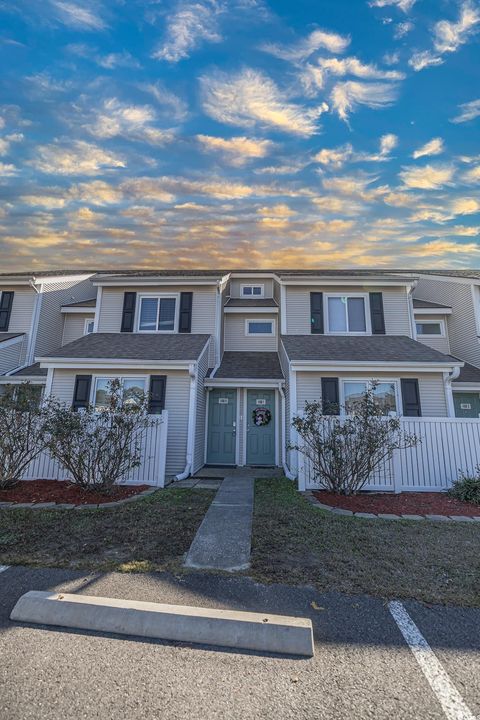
{"points": [[151, 470], [447, 446]]}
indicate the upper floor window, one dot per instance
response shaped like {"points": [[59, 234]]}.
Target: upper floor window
{"points": [[431, 327], [88, 327], [260, 327], [158, 313], [251, 291], [346, 314]]}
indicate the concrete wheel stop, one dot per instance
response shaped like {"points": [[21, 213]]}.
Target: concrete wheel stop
{"points": [[225, 628]]}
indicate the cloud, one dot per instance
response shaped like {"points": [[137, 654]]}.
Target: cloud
{"points": [[7, 140], [354, 186], [301, 50], [345, 96], [189, 25], [236, 151], [79, 17], [449, 36], [134, 122], [96, 192], [7, 169], [354, 66], [402, 29], [336, 157], [51, 202], [337, 205], [251, 98], [424, 59], [171, 105], [473, 175], [433, 147], [468, 111], [465, 206], [405, 5], [114, 60], [77, 158], [429, 177]]}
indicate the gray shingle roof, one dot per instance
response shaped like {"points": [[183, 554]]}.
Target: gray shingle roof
{"points": [[31, 371], [250, 365], [134, 346], [364, 348], [8, 336], [82, 303], [426, 304], [257, 302], [468, 374]]}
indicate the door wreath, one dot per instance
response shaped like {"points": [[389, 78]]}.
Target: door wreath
{"points": [[261, 416]]}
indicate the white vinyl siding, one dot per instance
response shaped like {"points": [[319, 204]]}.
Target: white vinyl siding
{"points": [[237, 340], [235, 286], [431, 386], [11, 356], [203, 308], [461, 324], [176, 402], [395, 307], [74, 326], [437, 342], [50, 324]]}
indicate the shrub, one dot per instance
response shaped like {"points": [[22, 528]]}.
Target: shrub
{"points": [[344, 451], [467, 487], [99, 448], [22, 437]]}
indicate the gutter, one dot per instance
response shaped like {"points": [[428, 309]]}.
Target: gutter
{"points": [[448, 378], [192, 417], [288, 473]]}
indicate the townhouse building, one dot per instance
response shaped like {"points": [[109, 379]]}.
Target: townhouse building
{"points": [[234, 355]]}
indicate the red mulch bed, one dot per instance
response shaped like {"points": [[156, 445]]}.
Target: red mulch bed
{"points": [[407, 503], [59, 491]]}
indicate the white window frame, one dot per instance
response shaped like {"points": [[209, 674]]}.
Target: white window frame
{"points": [[366, 302], [158, 296], [370, 381], [440, 322], [86, 324], [252, 296], [259, 320], [110, 378]]}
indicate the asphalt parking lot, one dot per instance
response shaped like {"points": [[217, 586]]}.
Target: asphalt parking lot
{"points": [[363, 666]]}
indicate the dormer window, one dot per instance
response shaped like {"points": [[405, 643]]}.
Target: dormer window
{"points": [[347, 314], [252, 291], [158, 313]]}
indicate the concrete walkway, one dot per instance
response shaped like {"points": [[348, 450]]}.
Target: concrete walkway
{"points": [[223, 539]]}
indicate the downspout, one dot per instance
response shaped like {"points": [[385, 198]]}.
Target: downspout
{"points": [[218, 328], [411, 311], [286, 469], [32, 340], [192, 417], [448, 377]]}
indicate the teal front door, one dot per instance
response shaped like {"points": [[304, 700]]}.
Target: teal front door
{"points": [[260, 438], [222, 431], [467, 404]]}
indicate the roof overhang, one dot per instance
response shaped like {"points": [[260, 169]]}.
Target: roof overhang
{"points": [[80, 310], [465, 386], [32, 379], [346, 365], [243, 382], [11, 341], [129, 280], [432, 311], [374, 281], [106, 363], [242, 310]]}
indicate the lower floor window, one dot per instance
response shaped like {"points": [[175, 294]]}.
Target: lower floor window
{"points": [[385, 395], [133, 391]]}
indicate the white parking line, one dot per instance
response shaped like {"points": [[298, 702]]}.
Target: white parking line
{"points": [[4, 567], [446, 693]]}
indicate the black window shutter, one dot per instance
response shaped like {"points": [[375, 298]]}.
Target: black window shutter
{"points": [[128, 314], [376, 313], [185, 319], [6, 302], [81, 393], [316, 313], [330, 397], [411, 397], [156, 394]]}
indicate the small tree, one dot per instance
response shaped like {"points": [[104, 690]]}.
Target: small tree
{"points": [[344, 451], [22, 438], [100, 447]]}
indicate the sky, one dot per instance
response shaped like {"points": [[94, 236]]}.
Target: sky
{"points": [[239, 133]]}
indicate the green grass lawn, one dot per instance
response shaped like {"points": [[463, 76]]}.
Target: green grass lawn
{"points": [[150, 534], [296, 543]]}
